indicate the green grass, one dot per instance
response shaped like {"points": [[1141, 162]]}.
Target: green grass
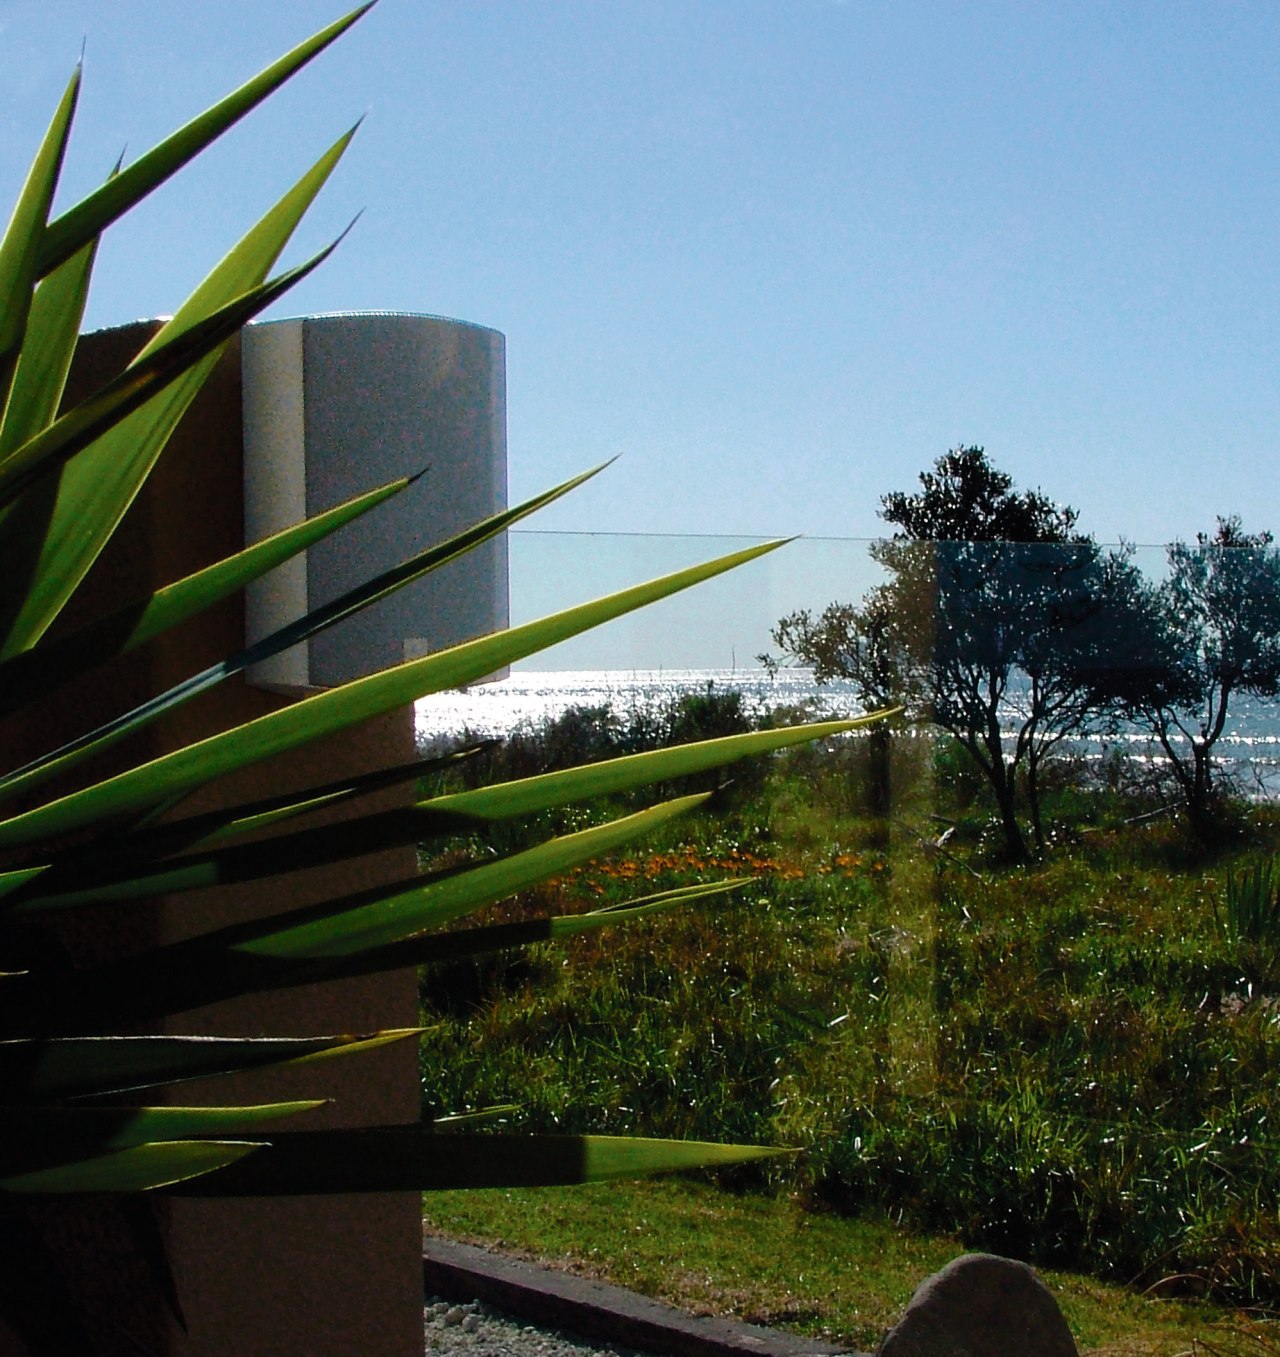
{"points": [[767, 1260], [1067, 1063]]}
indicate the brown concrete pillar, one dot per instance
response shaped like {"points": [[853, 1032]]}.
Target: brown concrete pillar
{"points": [[327, 1276]]}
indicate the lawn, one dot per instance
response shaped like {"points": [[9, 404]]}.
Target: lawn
{"points": [[767, 1260]]}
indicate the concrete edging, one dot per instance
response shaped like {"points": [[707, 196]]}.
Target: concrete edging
{"points": [[598, 1310]]}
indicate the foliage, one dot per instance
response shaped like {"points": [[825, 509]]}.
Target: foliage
{"points": [[1188, 646], [993, 610], [73, 1064], [1072, 1064], [1250, 919], [965, 499]]}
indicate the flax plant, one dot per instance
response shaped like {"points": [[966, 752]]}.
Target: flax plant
{"points": [[70, 1081]]}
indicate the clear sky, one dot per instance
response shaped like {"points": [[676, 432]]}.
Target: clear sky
{"points": [[781, 254]]}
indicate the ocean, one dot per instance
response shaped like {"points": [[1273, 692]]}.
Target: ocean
{"points": [[1248, 750], [529, 697]]}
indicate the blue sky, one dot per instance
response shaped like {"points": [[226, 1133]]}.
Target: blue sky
{"points": [[780, 254]]}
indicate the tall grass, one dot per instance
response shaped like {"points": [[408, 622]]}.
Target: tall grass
{"points": [[1250, 919], [1071, 1064]]}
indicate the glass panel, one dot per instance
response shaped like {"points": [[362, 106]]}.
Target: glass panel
{"points": [[1032, 929]]}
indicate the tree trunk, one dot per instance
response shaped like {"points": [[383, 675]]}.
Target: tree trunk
{"points": [[879, 797], [1033, 802], [1002, 783], [1013, 838], [1200, 794]]}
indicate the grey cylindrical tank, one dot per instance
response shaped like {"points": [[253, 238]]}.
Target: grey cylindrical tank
{"points": [[337, 404]]}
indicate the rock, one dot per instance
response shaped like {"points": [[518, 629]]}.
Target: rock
{"points": [[981, 1306]]}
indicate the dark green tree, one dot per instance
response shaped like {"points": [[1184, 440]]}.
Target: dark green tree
{"points": [[965, 499], [985, 625], [1189, 645]]}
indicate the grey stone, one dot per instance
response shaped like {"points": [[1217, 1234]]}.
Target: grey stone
{"points": [[981, 1306]]}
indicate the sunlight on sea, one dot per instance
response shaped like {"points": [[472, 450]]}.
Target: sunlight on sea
{"points": [[1248, 750], [526, 698]]}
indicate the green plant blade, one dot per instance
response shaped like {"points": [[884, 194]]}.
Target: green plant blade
{"points": [[176, 602], [69, 885], [132, 852], [453, 813], [176, 774], [63, 1068], [44, 1137], [38, 671], [154, 990], [386, 583], [88, 218], [144, 864], [63, 535], [429, 948], [452, 1119], [398, 916], [95, 741], [78, 883], [20, 876], [417, 1158], [219, 826], [141, 1168], [20, 248], [351, 935], [526, 795], [141, 382], [48, 347], [659, 902], [54, 526], [465, 942]]}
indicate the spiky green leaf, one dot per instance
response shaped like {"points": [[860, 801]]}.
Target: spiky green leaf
{"points": [[67, 756], [88, 218], [48, 347], [141, 1168], [40, 670], [61, 1068], [54, 531], [454, 894], [526, 795], [44, 1137], [157, 782], [25, 234], [417, 1158]]}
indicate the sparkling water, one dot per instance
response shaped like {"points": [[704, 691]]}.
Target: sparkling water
{"points": [[1249, 749]]}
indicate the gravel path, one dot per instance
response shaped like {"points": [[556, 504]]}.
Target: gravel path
{"points": [[480, 1331]]}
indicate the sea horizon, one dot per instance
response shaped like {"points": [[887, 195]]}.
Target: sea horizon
{"points": [[1249, 748]]}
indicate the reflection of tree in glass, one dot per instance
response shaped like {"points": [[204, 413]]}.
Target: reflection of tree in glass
{"points": [[1210, 630]]}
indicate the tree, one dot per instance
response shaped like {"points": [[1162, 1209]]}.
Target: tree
{"points": [[965, 499], [1190, 644], [982, 623], [863, 645]]}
